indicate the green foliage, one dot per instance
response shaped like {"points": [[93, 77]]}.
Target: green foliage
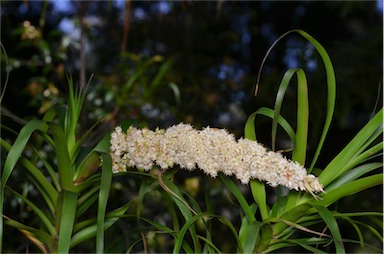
{"points": [[280, 226], [73, 183], [344, 171], [68, 185], [266, 229]]}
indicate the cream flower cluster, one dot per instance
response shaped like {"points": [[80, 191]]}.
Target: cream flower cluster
{"points": [[212, 150]]}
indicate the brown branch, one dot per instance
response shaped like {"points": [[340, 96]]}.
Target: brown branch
{"points": [[126, 25], [82, 7]]}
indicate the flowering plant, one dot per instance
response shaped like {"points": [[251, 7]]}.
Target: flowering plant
{"points": [[73, 178], [215, 152]]}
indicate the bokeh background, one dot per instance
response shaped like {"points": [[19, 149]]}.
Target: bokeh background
{"points": [[164, 62]]}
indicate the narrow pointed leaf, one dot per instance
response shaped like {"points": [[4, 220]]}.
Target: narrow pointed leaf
{"points": [[68, 216], [239, 196], [333, 227], [18, 147], [105, 186], [64, 165]]}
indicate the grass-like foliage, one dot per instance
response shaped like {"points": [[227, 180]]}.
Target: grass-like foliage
{"points": [[68, 184], [73, 184], [348, 173]]}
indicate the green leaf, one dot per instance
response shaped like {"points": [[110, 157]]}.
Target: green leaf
{"points": [[210, 246], [291, 215], [266, 235], [311, 249], [333, 227], [11, 160], [67, 220], [260, 197], [359, 233], [280, 244], [249, 235], [257, 187], [331, 92], [187, 226], [158, 226], [183, 206], [278, 207], [89, 182], [359, 214], [300, 147], [52, 173], [90, 231], [161, 228], [76, 99], [239, 196], [89, 228], [39, 213], [249, 129], [337, 166], [365, 155], [38, 234], [349, 189], [83, 138], [353, 174], [71, 116], [105, 186], [331, 85], [18, 147], [229, 224], [374, 231], [178, 198], [40, 180], [86, 200], [64, 165]]}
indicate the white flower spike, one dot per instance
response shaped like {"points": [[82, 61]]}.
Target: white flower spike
{"points": [[212, 150]]}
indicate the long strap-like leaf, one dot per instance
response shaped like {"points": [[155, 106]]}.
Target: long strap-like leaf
{"points": [[67, 220], [64, 166], [331, 85], [11, 160], [105, 186], [337, 165], [18, 147], [331, 222]]}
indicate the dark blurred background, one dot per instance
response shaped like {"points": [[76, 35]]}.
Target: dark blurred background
{"points": [[164, 62]]}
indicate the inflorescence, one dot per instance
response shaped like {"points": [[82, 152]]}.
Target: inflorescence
{"points": [[212, 150]]}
